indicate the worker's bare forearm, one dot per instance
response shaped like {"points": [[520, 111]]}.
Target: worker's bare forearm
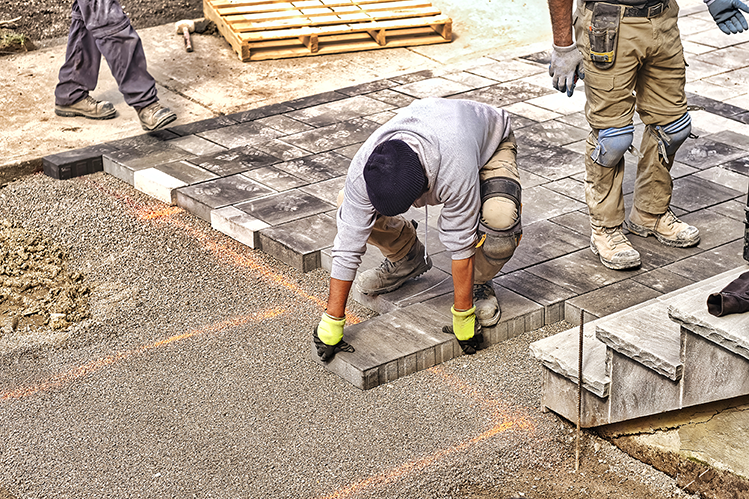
{"points": [[463, 283], [339, 291], [561, 22]]}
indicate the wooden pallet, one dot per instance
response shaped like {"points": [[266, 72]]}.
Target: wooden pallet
{"points": [[276, 29]]}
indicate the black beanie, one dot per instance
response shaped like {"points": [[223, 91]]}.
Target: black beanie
{"points": [[394, 177]]}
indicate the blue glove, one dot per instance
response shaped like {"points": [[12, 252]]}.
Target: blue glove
{"points": [[727, 15], [566, 67]]}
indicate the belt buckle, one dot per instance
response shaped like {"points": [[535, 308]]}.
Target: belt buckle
{"points": [[655, 10]]}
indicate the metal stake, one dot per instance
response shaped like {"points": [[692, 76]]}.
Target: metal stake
{"points": [[579, 390]]}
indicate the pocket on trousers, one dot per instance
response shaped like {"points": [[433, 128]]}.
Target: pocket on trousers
{"points": [[599, 82], [603, 34]]}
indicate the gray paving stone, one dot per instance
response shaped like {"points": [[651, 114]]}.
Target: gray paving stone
{"points": [[144, 143], [433, 87], [554, 132], [243, 134], [316, 168], [705, 152], [549, 161], [725, 177], [238, 225], [433, 283], [123, 163], [734, 209], [543, 58], [260, 112], [412, 77], [367, 88], [505, 71], [543, 241], [284, 124], [580, 272], [539, 290], [519, 122], [197, 146], [662, 280], [327, 190], [233, 161], [559, 394], [392, 346], [186, 172], [713, 106], [200, 199], [504, 94], [314, 100], [75, 163], [710, 263], [577, 221], [740, 165], [340, 110], [577, 120], [299, 243], [281, 150], [692, 193], [612, 298], [471, 80], [540, 203], [350, 150], [732, 138], [390, 96], [203, 125], [274, 178], [333, 136], [381, 118], [278, 209], [569, 187]]}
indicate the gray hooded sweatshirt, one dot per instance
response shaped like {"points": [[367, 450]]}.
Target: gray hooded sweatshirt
{"points": [[453, 139]]}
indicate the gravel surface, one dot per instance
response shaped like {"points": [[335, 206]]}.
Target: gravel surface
{"points": [[191, 378]]}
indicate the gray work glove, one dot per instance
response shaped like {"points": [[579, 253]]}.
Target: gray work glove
{"points": [[727, 15], [566, 66]]}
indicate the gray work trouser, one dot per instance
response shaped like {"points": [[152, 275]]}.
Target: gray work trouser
{"points": [[100, 27]]}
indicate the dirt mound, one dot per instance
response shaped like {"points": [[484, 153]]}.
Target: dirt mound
{"points": [[39, 298]]}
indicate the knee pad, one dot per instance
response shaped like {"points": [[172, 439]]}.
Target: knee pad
{"points": [[670, 137], [611, 145], [500, 225]]}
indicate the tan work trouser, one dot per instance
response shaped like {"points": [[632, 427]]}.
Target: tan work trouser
{"points": [[648, 75], [395, 236]]}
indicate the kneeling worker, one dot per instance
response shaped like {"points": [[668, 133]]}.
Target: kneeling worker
{"points": [[455, 153]]}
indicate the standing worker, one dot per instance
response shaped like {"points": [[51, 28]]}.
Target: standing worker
{"points": [[455, 153], [630, 54], [100, 27]]}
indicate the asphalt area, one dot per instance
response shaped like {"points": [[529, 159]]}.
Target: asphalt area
{"points": [[189, 376]]}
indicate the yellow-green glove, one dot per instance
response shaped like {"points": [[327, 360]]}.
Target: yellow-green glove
{"points": [[466, 330], [328, 337]]}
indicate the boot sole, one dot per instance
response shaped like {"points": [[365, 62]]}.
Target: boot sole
{"points": [[612, 265], [397, 284], [73, 114], [645, 232], [161, 124]]}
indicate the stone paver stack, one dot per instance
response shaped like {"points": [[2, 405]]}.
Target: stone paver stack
{"points": [[269, 177]]}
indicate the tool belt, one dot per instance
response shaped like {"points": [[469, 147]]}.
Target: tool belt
{"points": [[648, 11]]}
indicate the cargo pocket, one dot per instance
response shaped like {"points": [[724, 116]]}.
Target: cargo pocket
{"points": [[603, 34]]}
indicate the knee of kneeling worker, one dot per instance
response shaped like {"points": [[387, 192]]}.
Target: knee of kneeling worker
{"points": [[611, 145], [499, 213], [499, 248], [675, 133]]}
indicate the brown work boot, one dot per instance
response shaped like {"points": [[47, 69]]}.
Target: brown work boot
{"points": [[613, 248], [155, 116], [668, 229], [88, 107], [389, 276], [487, 307]]}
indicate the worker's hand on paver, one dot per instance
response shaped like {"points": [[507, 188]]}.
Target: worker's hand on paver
{"points": [[466, 329], [727, 15], [566, 67], [328, 337]]}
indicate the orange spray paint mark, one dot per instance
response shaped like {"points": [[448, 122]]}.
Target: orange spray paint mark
{"points": [[95, 365], [502, 421]]}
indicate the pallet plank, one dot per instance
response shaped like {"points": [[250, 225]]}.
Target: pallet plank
{"points": [[274, 29]]}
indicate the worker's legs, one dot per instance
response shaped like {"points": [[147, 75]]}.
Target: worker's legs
{"points": [[80, 71], [500, 228]]}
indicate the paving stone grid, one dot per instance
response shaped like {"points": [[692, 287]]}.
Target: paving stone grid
{"points": [[269, 177]]}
